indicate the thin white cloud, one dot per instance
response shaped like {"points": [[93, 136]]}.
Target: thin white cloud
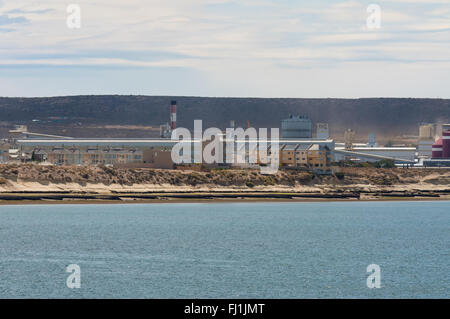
{"points": [[214, 36]]}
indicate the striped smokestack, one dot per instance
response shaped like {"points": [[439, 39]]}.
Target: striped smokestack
{"points": [[437, 149], [173, 115]]}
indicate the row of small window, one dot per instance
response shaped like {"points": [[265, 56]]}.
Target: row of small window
{"points": [[290, 159], [309, 153]]}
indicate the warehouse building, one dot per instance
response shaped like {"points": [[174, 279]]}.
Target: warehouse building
{"points": [[120, 152], [314, 156], [374, 154]]}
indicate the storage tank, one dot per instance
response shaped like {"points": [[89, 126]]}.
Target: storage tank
{"points": [[437, 149], [426, 140], [296, 127], [446, 144], [372, 140], [426, 131]]}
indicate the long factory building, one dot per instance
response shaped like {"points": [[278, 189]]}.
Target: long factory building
{"points": [[140, 152]]}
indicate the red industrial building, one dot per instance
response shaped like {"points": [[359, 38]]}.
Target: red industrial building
{"points": [[440, 152], [441, 148], [446, 144]]}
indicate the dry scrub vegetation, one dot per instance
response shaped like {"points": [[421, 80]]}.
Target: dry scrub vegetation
{"points": [[217, 177]]}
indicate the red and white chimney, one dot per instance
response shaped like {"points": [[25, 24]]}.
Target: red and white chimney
{"points": [[437, 149], [173, 115]]}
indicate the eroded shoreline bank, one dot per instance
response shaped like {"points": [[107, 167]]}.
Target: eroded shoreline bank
{"points": [[30, 183], [222, 197]]}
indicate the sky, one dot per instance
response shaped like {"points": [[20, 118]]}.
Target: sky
{"points": [[226, 48]]}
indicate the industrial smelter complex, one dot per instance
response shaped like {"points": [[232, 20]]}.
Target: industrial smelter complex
{"points": [[297, 148]]}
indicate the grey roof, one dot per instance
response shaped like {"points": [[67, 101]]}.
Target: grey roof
{"points": [[303, 147], [368, 149], [36, 135], [290, 147], [144, 142]]}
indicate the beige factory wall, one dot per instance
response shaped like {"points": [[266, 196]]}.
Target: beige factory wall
{"points": [[158, 158]]}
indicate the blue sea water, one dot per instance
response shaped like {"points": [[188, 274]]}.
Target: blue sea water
{"points": [[226, 250]]}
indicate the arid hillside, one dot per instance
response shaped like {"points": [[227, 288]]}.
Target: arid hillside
{"points": [[95, 116]]}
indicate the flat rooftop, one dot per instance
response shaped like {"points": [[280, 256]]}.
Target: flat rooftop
{"points": [[384, 149], [144, 141]]}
